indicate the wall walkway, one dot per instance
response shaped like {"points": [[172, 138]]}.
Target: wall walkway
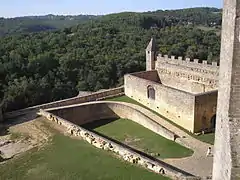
{"points": [[75, 100]]}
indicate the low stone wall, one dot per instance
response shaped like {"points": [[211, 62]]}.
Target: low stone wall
{"points": [[123, 152], [75, 100], [88, 112]]}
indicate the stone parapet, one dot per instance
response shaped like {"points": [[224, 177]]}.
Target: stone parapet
{"points": [[75, 100]]}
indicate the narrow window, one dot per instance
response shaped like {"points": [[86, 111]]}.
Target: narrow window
{"points": [[150, 92]]}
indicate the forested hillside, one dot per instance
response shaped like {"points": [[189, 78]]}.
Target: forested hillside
{"points": [[39, 23], [41, 67]]}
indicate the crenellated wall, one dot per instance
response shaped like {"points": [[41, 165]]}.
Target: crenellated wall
{"points": [[194, 64], [186, 75]]}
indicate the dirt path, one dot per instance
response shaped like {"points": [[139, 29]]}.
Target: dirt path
{"points": [[22, 135]]}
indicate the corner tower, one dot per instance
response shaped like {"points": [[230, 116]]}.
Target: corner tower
{"points": [[150, 55]]}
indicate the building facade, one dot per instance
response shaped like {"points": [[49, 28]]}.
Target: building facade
{"points": [[182, 91]]}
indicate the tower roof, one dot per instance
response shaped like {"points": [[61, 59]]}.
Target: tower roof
{"points": [[152, 45]]}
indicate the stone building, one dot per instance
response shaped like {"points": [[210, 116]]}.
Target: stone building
{"points": [[183, 91]]}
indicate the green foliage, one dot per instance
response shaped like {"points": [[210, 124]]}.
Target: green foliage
{"points": [[39, 23], [137, 136], [41, 67], [67, 158]]}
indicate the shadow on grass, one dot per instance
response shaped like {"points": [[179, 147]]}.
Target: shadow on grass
{"points": [[98, 123], [204, 138]]}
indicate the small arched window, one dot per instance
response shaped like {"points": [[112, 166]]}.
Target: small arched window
{"points": [[150, 92]]}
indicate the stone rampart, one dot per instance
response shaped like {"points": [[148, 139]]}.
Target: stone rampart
{"points": [[186, 80], [186, 75], [88, 112], [195, 65], [75, 100], [124, 152]]}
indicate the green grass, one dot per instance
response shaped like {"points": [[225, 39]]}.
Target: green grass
{"points": [[140, 138], [70, 159], [208, 138]]}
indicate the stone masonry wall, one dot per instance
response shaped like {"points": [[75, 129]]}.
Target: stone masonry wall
{"points": [[205, 109], [227, 138], [192, 77], [88, 112], [182, 79], [178, 106], [75, 100], [194, 65], [149, 75]]}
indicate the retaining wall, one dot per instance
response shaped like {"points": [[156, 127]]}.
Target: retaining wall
{"points": [[88, 112]]}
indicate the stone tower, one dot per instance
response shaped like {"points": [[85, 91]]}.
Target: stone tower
{"points": [[150, 55], [226, 164]]}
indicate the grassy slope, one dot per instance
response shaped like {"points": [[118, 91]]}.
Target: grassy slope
{"points": [[69, 159], [208, 138], [139, 137]]}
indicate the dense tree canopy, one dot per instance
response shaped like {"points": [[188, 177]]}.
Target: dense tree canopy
{"points": [[41, 67]]}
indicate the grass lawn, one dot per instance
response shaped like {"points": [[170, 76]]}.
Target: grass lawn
{"points": [[208, 138], [70, 159], [139, 137]]}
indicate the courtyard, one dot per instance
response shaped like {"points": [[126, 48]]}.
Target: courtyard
{"points": [[138, 137]]}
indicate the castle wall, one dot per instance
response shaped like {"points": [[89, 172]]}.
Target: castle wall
{"points": [[194, 65], [81, 114], [188, 76], [176, 105], [75, 100], [205, 109], [148, 75], [227, 138]]}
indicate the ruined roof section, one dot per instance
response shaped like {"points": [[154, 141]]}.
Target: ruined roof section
{"points": [[152, 45]]}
